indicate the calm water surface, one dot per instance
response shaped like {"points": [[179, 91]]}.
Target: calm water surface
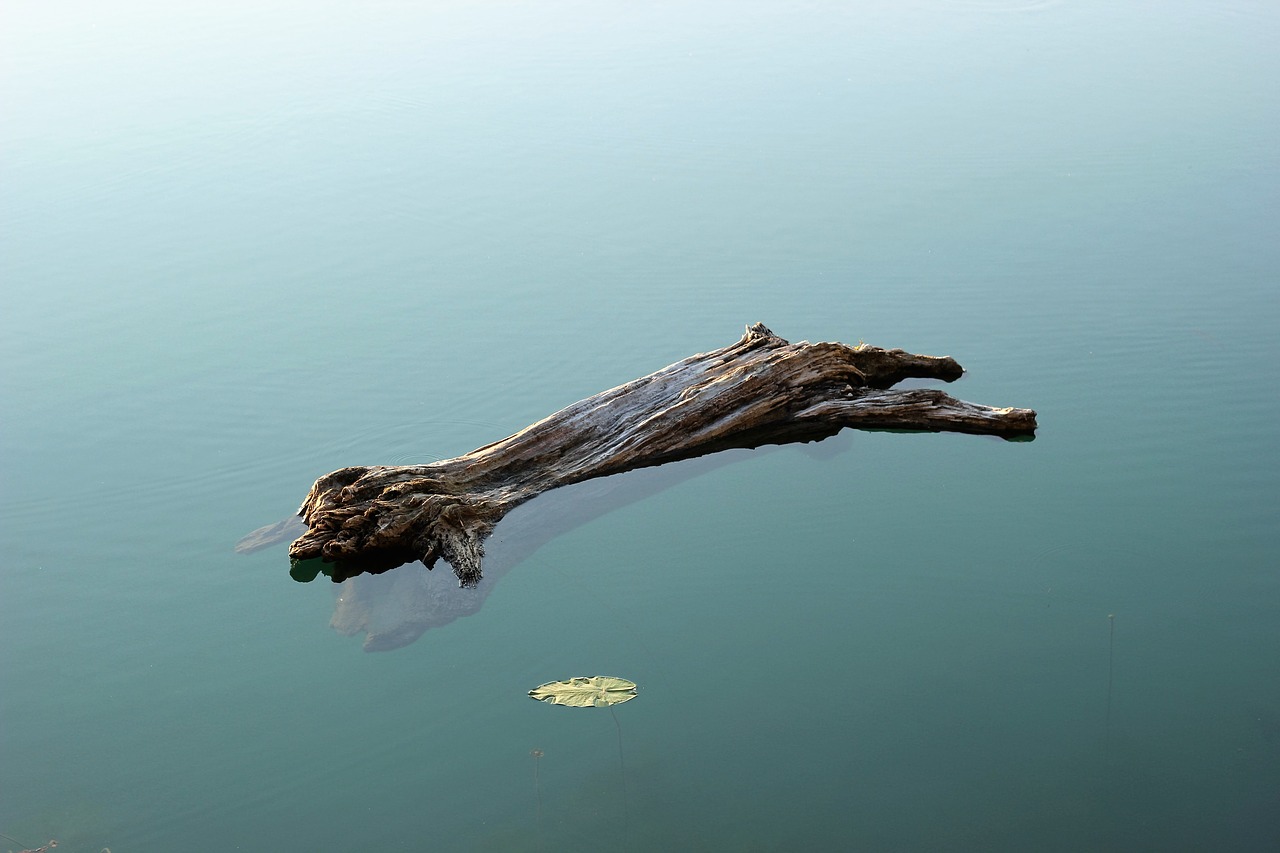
{"points": [[244, 244]]}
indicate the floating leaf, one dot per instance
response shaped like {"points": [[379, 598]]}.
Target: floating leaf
{"points": [[598, 691]]}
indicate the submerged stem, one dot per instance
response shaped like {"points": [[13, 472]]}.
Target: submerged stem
{"points": [[622, 764]]}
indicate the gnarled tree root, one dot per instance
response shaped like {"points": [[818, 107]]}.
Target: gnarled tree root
{"points": [[760, 390]]}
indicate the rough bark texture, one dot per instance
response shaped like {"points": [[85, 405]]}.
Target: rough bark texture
{"points": [[760, 390]]}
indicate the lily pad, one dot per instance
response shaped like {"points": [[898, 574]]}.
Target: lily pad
{"points": [[598, 691]]}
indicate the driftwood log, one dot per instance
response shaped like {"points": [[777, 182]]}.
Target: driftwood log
{"points": [[760, 390]]}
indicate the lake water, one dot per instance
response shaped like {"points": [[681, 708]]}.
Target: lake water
{"points": [[245, 244]]}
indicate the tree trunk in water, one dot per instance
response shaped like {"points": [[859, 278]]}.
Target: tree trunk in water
{"points": [[760, 390]]}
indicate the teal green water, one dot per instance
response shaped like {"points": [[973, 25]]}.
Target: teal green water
{"points": [[244, 244]]}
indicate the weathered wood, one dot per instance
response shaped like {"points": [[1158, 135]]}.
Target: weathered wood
{"points": [[760, 390]]}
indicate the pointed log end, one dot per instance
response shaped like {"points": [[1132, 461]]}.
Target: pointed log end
{"points": [[462, 545]]}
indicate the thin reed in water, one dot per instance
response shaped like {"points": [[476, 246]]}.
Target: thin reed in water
{"points": [[537, 787]]}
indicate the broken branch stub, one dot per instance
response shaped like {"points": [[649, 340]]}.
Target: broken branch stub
{"points": [[760, 390]]}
